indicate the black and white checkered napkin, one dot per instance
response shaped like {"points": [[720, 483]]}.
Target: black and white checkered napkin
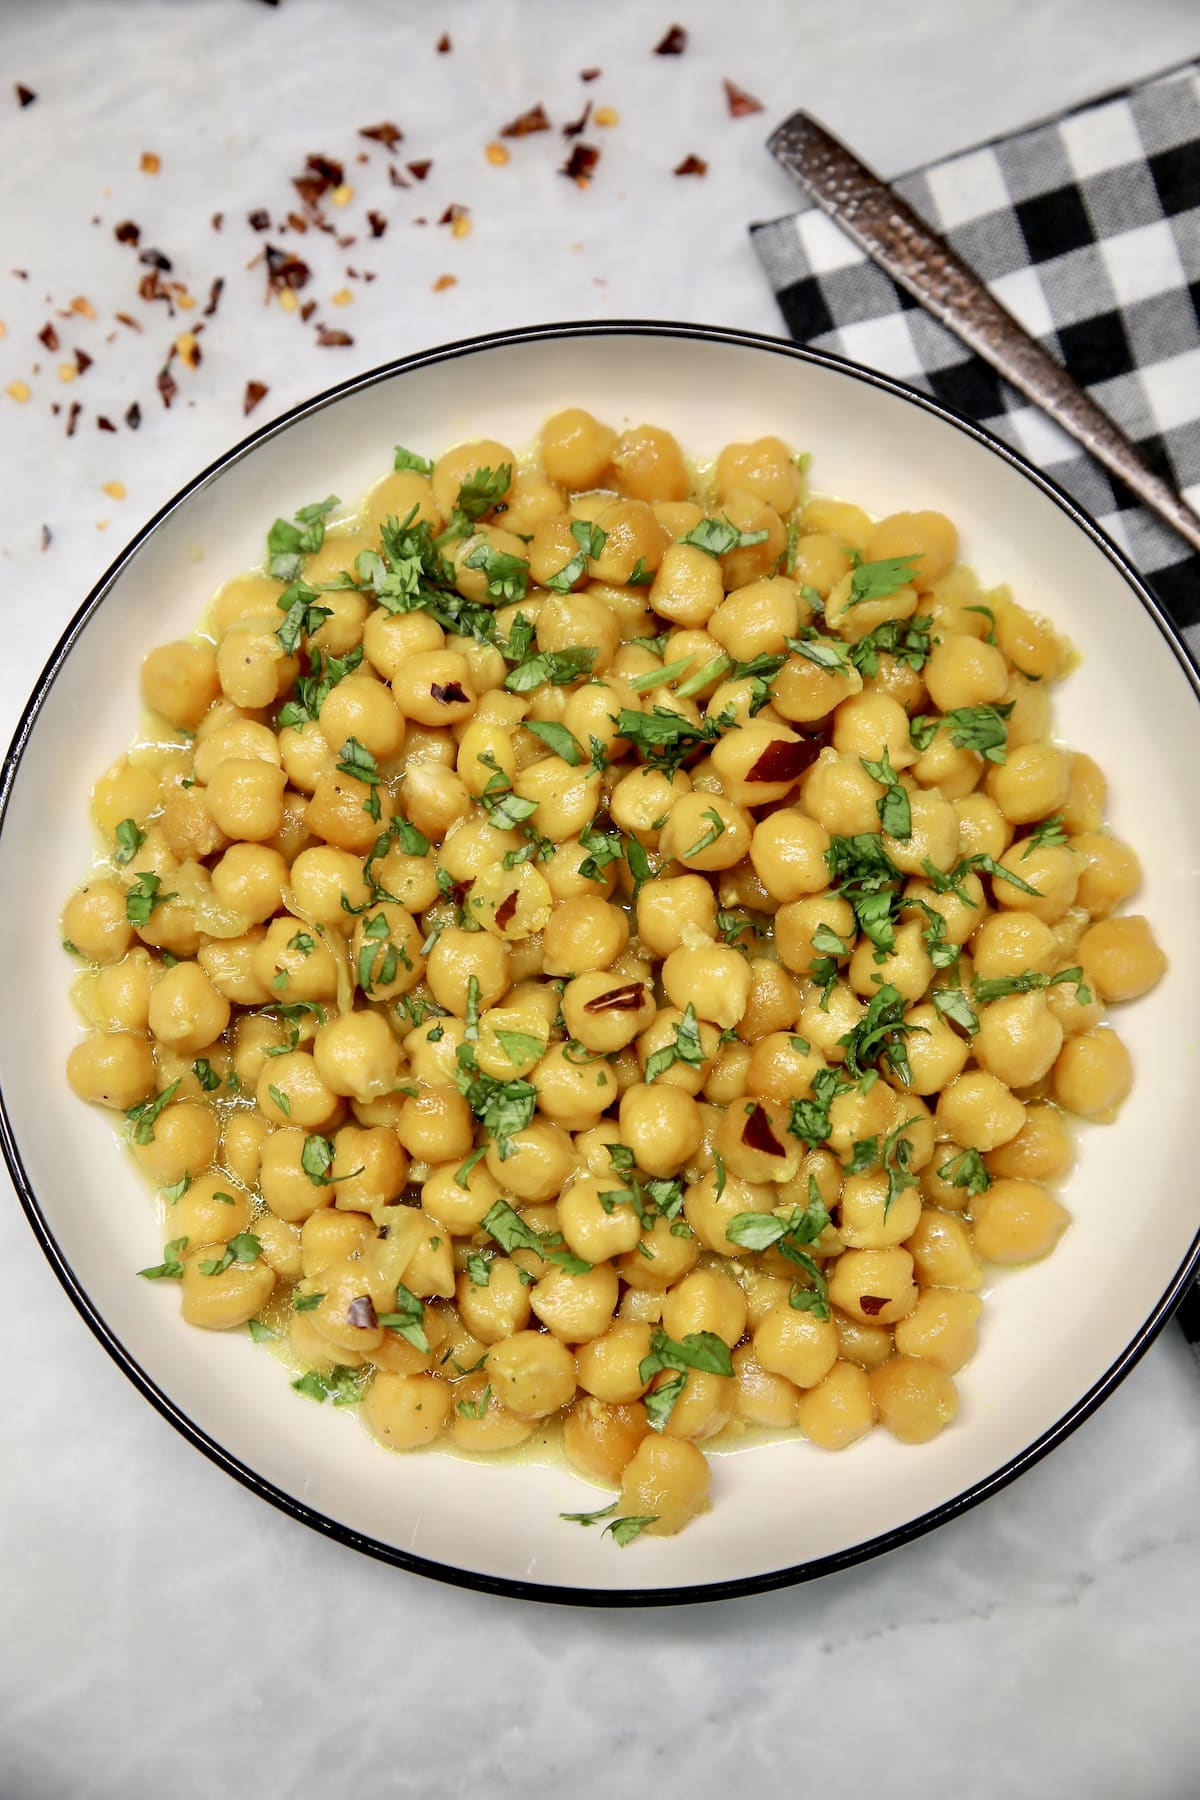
{"points": [[1088, 230]]}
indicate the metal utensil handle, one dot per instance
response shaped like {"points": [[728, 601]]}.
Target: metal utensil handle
{"points": [[883, 225]]}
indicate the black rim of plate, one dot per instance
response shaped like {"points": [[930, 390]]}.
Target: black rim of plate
{"points": [[287, 1503]]}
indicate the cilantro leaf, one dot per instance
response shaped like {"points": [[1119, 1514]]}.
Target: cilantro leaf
{"points": [[507, 576], [876, 580], [625, 1529], [966, 1170], [142, 898], [143, 1116], [556, 666], [170, 1268], [408, 459], [130, 839], [288, 544], [686, 1047], [564, 743], [895, 813], [590, 1518], [484, 489], [408, 1319], [979, 728], [718, 536], [591, 540]]}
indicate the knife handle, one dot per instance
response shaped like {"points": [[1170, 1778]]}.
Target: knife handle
{"points": [[921, 262]]}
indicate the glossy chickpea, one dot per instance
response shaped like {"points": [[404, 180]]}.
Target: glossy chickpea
{"points": [[126, 791], [661, 1125], [841, 796], [599, 1438], [464, 462], [1050, 869], [703, 1407], [575, 1308], [480, 1422], [435, 688], [211, 1210], [649, 464], [590, 1231], [566, 797], [862, 1342], [753, 1142], [819, 561], [942, 1328], [838, 1410], [666, 1481], [604, 1012], [796, 922], [219, 1299], [788, 852], [369, 1167], [643, 801], [1043, 1149], [329, 1239], [914, 1398], [241, 1145], [874, 1286], [760, 1397], [186, 1010], [120, 998], [179, 682], [357, 1055], [765, 467], [758, 619], [460, 957], [669, 905], [797, 1345], [975, 1108], [929, 536], [252, 667], [532, 1373], [687, 588], [576, 449], [184, 1142], [112, 1068], [1087, 793], [249, 880], [1009, 943], [1017, 1221], [290, 1091], [1031, 783], [963, 671], [397, 494], [1093, 1074], [1018, 1039], [94, 920], [943, 1252], [825, 1019], [584, 934], [806, 693], [571, 1092], [1028, 721], [295, 963], [663, 1257], [872, 1217], [435, 1125], [713, 978], [244, 799], [906, 966], [751, 562], [706, 1300], [1121, 958], [608, 1366], [406, 1412], [224, 735], [633, 536], [706, 831], [854, 619], [709, 1213], [496, 1311], [362, 708], [982, 827], [1109, 872], [389, 639]]}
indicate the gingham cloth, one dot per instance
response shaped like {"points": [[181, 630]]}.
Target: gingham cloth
{"points": [[1087, 228]]}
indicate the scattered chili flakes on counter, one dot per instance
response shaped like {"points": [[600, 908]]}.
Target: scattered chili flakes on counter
{"points": [[577, 126], [83, 361], [25, 95], [18, 391], [387, 134], [83, 306], [48, 336], [332, 340], [534, 119], [439, 287], [378, 223], [255, 392], [444, 46], [166, 384], [319, 175], [259, 219], [214, 296], [419, 170], [590, 74], [73, 417], [740, 102], [218, 219], [691, 165], [103, 423], [47, 537], [673, 42], [497, 155], [189, 349], [127, 232], [114, 488], [133, 415], [127, 319], [285, 272], [151, 162], [288, 300], [580, 166], [396, 178]]}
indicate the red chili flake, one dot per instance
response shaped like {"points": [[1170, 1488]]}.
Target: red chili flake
{"points": [[259, 219], [320, 174], [590, 74], [83, 361], [450, 692], [128, 319], [333, 340], [692, 165], [378, 224], [48, 336], [103, 424], [218, 219], [73, 417], [285, 270], [214, 296], [452, 212], [127, 232], [387, 134], [167, 386], [154, 259], [872, 1304], [255, 391], [444, 46], [740, 102], [361, 1312], [150, 287], [621, 999], [507, 908], [21, 274], [578, 126], [297, 222], [419, 170], [25, 96], [674, 43], [757, 1133], [525, 123], [581, 164], [47, 537], [783, 760], [133, 415], [307, 310]]}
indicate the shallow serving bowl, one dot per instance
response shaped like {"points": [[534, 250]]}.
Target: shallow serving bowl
{"points": [[1056, 1337]]}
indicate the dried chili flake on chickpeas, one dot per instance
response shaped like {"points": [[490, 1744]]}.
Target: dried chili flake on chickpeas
{"points": [[597, 946]]}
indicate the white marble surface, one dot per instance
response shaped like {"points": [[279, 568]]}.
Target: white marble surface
{"points": [[161, 1630]]}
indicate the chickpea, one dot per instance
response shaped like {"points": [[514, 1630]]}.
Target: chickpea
{"points": [[604, 1013], [114, 1069], [706, 1300], [576, 449], [241, 1147], [914, 1398], [872, 1218], [906, 966], [575, 1307], [465, 462], [245, 799], [976, 1108], [179, 683], [942, 1329], [495, 1428], [874, 1286], [669, 905], [841, 796], [1018, 1039], [666, 1481], [1031, 783], [608, 1366], [1086, 795], [583, 935], [1049, 869], [662, 1257], [1009, 943], [599, 1439], [928, 536], [839, 1410], [982, 827], [357, 1056], [126, 791], [434, 687], [936, 1053], [460, 957], [591, 1231], [573, 1092], [533, 1374], [798, 1345], [687, 589], [1121, 958], [406, 1412], [389, 639], [706, 831], [1017, 1221], [222, 1299], [788, 851], [819, 561], [762, 1398], [1093, 1074], [942, 1251], [295, 964], [861, 1342], [963, 671], [183, 1142], [186, 1010], [369, 1167], [280, 1247], [498, 1310], [764, 468], [290, 1091], [94, 920], [435, 1125], [1041, 1151], [210, 1211]]}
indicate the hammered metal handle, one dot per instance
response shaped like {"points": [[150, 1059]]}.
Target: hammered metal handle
{"points": [[920, 261]]}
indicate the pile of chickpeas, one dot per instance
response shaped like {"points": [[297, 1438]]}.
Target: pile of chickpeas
{"points": [[239, 987]]}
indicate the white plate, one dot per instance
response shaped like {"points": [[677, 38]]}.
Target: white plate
{"points": [[1056, 1337]]}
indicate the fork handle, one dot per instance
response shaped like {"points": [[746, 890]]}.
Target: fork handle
{"points": [[917, 259]]}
